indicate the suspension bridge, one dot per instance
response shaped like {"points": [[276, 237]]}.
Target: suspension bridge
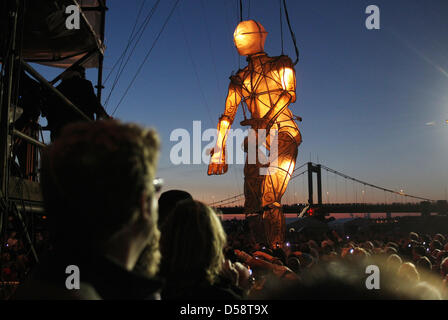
{"points": [[336, 192]]}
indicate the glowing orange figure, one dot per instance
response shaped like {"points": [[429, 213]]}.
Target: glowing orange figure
{"points": [[267, 85]]}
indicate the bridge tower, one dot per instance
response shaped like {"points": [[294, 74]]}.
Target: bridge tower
{"points": [[314, 168]]}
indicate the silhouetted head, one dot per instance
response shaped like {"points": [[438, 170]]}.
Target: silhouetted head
{"points": [[168, 201], [249, 37], [75, 71], [192, 244], [97, 185]]}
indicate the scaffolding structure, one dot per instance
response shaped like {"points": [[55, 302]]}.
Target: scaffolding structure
{"points": [[34, 31]]}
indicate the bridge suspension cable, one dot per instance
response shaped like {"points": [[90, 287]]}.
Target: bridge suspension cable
{"points": [[372, 185], [236, 198], [299, 174], [227, 199]]}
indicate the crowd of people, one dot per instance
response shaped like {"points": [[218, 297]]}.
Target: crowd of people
{"points": [[16, 258], [408, 262], [106, 217]]}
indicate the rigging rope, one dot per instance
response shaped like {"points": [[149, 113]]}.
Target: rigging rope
{"points": [[147, 56], [132, 38], [121, 59], [281, 24], [195, 70], [230, 29], [212, 53], [293, 36], [140, 34]]}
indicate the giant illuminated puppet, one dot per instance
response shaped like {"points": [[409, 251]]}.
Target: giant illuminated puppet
{"points": [[266, 86]]}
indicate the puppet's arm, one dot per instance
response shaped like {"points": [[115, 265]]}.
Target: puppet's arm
{"points": [[218, 158]]}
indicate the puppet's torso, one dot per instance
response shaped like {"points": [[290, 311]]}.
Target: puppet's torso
{"points": [[262, 83]]}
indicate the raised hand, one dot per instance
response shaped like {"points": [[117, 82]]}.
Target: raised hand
{"points": [[218, 165]]}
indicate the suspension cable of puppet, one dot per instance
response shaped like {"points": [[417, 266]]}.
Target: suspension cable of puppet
{"points": [[293, 36]]}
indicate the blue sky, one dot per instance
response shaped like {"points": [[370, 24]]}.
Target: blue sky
{"points": [[373, 103]]}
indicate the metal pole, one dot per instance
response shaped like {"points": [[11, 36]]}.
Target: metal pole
{"points": [[99, 85], [43, 81], [6, 103], [86, 57], [28, 138], [7, 80], [27, 234]]}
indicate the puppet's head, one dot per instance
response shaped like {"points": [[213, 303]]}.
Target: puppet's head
{"points": [[249, 37]]}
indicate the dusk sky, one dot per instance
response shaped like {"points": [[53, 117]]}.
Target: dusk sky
{"points": [[373, 102]]}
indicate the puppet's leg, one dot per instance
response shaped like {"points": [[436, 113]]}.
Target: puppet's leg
{"points": [[276, 180], [252, 189], [253, 183]]}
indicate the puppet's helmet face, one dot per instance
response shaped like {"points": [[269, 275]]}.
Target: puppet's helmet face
{"points": [[249, 37]]}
